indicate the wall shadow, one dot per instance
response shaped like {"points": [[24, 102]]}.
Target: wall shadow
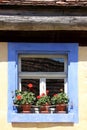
{"points": [[41, 125]]}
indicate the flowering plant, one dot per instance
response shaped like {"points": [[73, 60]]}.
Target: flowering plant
{"points": [[43, 99], [60, 98], [24, 97]]}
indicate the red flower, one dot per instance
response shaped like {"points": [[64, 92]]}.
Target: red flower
{"points": [[30, 85], [55, 95], [47, 91], [43, 94], [19, 97], [38, 97]]}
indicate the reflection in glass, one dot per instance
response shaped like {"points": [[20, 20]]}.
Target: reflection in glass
{"points": [[54, 86], [42, 64], [30, 85]]}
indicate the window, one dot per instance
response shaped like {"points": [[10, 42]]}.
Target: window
{"points": [[44, 72], [48, 66]]}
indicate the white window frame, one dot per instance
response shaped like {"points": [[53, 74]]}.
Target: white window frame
{"points": [[42, 76]]}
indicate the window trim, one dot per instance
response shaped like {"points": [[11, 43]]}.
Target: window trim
{"points": [[14, 49]]}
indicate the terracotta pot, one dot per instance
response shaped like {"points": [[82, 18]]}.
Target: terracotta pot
{"points": [[26, 108], [61, 108], [44, 109]]}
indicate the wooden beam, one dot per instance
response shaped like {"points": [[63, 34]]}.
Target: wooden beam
{"points": [[26, 23], [37, 18]]}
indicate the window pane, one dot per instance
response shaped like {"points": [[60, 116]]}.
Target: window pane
{"points": [[54, 86], [30, 85], [42, 64]]}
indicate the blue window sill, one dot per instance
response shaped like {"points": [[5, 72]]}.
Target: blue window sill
{"points": [[18, 117]]}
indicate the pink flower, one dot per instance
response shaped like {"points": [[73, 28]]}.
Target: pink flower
{"points": [[55, 95], [47, 91], [43, 94], [61, 90]]}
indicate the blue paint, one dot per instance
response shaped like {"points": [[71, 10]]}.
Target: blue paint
{"points": [[44, 48], [42, 117]]}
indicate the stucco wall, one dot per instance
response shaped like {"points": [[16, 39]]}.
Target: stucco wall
{"points": [[82, 74]]}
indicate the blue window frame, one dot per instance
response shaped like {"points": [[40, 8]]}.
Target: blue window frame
{"points": [[14, 49]]}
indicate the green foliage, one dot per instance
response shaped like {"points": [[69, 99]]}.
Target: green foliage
{"points": [[24, 97], [43, 100], [60, 98]]}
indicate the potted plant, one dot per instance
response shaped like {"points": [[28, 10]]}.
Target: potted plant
{"points": [[24, 99], [17, 100], [43, 101], [60, 100]]}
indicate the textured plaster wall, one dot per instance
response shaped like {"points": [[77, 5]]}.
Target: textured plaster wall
{"points": [[82, 74]]}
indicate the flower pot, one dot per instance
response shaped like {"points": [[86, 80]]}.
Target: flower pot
{"points": [[61, 108], [26, 108], [44, 109]]}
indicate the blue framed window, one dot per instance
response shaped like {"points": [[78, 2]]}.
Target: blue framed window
{"points": [[69, 54]]}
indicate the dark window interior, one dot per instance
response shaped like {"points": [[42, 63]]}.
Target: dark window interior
{"points": [[42, 64]]}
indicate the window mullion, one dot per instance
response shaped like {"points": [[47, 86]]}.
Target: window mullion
{"points": [[65, 85], [20, 84], [42, 85]]}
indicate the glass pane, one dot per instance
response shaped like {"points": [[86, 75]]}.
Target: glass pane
{"points": [[54, 86], [42, 64], [30, 85]]}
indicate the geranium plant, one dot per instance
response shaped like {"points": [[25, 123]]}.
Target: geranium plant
{"points": [[60, 101], [60, 98], [43, 99], [17, 97], [24, 97]]}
